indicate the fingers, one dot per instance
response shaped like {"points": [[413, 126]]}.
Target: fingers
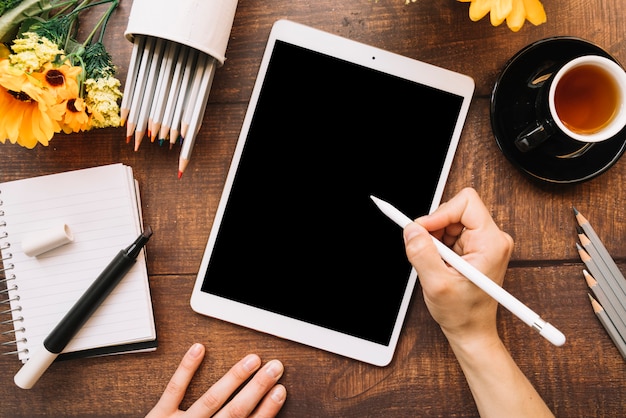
{"points": [[261, 387], [465, 210], [177, 386], [271, 403], [421, 251], [464, 224], [260, 394], [260, 397]]}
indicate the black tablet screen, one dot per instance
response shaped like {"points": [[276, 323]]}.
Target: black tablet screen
{"points": [[300, 235]]}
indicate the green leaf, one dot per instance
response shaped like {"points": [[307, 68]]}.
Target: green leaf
{"points": [[27, 24], [7, 5], [11, 20], [98, 62], [74, 47]]}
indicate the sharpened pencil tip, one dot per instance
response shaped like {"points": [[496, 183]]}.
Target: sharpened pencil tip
{"points": [[575, 210], [595, 304], [180, 174], [591, 282]]}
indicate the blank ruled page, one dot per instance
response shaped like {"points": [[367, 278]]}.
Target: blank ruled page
{"points": [[100, 205]]}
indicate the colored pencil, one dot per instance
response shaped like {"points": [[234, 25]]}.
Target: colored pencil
{"points": [[173, 94], [131, 77], [603, 274], [183, 96], [166, 94], [147, 99], [615, 336], [612, 298], [602, 251], [606, 304], [163, 88], [140, 85], [195, 119]]}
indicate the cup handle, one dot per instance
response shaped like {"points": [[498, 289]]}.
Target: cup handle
{"points": [[533, 136]]}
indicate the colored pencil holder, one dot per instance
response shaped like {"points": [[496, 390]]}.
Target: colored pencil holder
{"points": [[203, 25]]}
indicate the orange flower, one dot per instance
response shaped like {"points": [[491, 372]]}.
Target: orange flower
{"points": [[25, 121], [29, 113], [515, 12], [62, 80], [75, 118]]}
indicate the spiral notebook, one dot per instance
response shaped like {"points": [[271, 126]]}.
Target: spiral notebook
{"points": [[102, 209]]}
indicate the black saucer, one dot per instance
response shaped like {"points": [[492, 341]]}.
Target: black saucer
{"points": [[512, 110]]}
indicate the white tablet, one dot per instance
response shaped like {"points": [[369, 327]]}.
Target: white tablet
{"points": [[297, 248]]}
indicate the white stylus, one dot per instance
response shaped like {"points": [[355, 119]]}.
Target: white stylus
{"points": [[490, 287]]}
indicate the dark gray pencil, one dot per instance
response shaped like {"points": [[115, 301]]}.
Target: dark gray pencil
{"points": [[603, 274], [601, 297], [609, 326], [604, 254], [619, 314]]}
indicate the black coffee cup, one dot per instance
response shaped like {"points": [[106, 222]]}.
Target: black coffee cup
{"points": [[581, 104]]}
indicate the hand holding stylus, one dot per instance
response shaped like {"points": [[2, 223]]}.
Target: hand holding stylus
{"points": [[479, 279]]}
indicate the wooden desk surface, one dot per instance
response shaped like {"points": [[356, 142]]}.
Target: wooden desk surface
{"points": [[585, 377]]}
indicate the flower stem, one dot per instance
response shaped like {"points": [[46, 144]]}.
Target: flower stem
{"points": [[64, 4], [104, 20]]}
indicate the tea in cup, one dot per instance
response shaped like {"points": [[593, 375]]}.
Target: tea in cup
{"points": [[584, 101]]}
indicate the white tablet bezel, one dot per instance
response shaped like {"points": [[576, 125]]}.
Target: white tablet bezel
{"points": [[283, 326]]}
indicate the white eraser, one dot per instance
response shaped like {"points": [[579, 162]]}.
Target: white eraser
{"points": [[40, 242]]}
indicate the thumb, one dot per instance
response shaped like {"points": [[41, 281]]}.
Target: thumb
{"points": [[422, 252]]}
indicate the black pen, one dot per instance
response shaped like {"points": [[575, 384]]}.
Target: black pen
{"points": [[76, 317]]}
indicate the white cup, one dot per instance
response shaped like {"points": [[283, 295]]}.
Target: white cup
{"points": [[584, 101]]}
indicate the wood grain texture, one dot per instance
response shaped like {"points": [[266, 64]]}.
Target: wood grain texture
{"points": [[585, 377]]}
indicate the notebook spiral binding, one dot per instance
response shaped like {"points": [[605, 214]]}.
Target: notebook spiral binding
{"points": [[8, 296]]}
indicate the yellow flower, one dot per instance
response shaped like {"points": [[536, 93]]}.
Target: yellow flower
{"points": [[29, 113], [4, 51], [25, 121], [102, 97], [515, 12], [31, 52], [75, 118], [61, 80], [43, 72]]}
